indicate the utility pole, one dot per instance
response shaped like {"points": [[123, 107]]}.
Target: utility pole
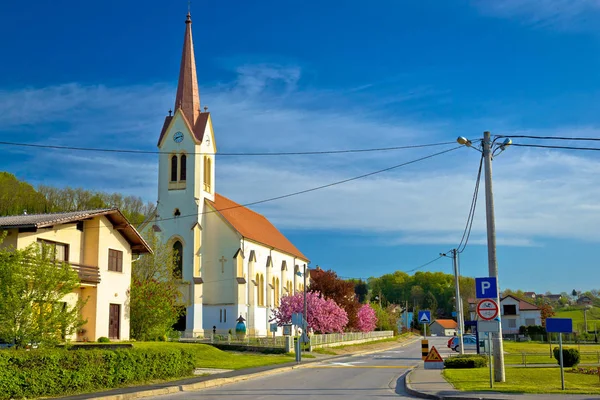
{"points": [[305, 316], [492, 260], [459, 314]]}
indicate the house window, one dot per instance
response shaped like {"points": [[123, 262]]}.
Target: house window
{"points": [[225, 315], [529, 321], [220, 315], [174, 168], [54, 250], [512, 323], [510, 309], [182, 167], [178, 254], [115, 260]]}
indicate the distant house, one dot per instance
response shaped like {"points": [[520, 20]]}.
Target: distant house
{"points": [[553, 298], [584, 300], [516, 313], [443, 327], [99, 245], [530, 295]]}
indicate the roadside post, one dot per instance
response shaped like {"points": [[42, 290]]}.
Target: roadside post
{"points": [[560, 326], [489, 327], [424, 317], [297, 320]]}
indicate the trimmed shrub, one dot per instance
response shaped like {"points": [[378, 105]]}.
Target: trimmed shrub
{"points": [[571, 357], [103, 339], [466, 361], [54, 372]]}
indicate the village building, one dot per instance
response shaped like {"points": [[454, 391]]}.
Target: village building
{"points": [[99, 245], [233, 261]]}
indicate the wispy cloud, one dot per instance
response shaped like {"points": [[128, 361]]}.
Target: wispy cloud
{"points": [[573, 15], [539, 194]]}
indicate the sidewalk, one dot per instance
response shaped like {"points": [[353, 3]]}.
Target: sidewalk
{"points": [[204, 382], [430, 384]]}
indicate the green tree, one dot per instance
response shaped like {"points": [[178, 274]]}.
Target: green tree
{"points": [[155, 299], [430, 303], [33, 287]]}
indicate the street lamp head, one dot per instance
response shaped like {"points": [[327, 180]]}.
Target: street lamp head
{"points": [[464, 141]]}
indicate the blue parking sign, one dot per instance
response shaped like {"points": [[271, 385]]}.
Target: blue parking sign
{"points": [[486, 288]]}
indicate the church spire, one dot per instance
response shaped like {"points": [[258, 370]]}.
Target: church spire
{"points": [[188, 95]]}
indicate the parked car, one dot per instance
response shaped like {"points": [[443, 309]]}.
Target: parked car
{"points": [[470, 343]]}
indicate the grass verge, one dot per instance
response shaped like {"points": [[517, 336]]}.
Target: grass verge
{"points": [[539, 353], [523, 380], [206, 356]]}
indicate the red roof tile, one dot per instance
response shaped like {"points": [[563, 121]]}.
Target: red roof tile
{"points": [[253, 225], [446, 323], [523, 305]]}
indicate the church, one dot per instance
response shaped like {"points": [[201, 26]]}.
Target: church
{"points": [[233, 261]]}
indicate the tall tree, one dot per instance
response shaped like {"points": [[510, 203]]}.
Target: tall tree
{"points": [[341, 291], [430, 303], [33, 287], [361, 290], [155, 300], [547, 312]]}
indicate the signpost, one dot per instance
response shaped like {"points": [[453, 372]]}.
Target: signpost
{"points": [[560, 326], [486, 287], [487, 309], [433, 360], [425, 318]]}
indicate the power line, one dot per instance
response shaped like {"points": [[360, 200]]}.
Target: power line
{"points": [[471, 217], [550, 137], [318, 187], [543, 146], [293, 153], [424, 265]]}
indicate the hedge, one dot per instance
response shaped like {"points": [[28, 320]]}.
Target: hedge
{"points": [[571, 357], [466, 361], [53, 372]]}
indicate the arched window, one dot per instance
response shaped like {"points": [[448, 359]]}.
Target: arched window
{"points": [[182, 167], [174, 169], [178, 254], [207, 173], [261, 295], [277, 292]]}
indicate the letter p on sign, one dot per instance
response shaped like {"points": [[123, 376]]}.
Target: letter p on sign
{"points": [[486, 288]]}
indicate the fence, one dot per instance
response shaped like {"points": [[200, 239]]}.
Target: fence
{"points": [[257, 341], [587, 357], [338, 338]]}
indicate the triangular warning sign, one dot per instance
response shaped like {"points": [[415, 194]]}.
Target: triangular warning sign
{"points": [[433, 355]]}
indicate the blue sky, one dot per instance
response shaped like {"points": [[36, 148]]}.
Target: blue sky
{"points": [[293, 76]]}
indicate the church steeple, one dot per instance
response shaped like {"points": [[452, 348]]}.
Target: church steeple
{"points": [[188, 95]]}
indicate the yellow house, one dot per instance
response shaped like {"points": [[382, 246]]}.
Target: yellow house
{"points": [[99, 245]]}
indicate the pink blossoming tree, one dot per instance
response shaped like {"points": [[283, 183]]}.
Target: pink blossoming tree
{"points": [[324, 315], [367, 320]]}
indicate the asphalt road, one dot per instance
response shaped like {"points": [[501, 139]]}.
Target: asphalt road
{"points": [[374, 376]]}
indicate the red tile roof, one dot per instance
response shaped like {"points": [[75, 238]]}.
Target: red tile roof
{"points": [[446, 323], [253, 225], [523, 305]]}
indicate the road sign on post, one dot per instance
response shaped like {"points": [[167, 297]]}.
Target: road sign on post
{"points": [[486, 288], [487, 309], [560, 326], [425, 318], [433, 360]]}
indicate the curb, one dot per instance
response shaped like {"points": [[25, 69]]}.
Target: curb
{"points": [[414, 392], [216, 382]]}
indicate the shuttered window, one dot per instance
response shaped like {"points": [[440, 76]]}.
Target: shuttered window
{"points": [[115, 260]]}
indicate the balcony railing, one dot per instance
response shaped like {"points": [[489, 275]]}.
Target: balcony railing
{"points": [[87, 273]]}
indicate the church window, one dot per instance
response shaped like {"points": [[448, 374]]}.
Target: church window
{"points": [[177, 213], [225, 315], [182, 167], [221, 315], [261, 295], [178, 254], [207, 173], [174, 168]]}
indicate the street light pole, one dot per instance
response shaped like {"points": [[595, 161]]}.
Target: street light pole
{"points": [[459, 316], [492, 260]]}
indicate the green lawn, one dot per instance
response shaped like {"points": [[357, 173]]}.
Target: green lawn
{"points": [[206, 356], [539, 353], [593, 316], [523, 380]]}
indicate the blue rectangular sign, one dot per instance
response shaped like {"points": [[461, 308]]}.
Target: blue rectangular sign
{"points": [[559, 325], [486, 288], [424, 317]]}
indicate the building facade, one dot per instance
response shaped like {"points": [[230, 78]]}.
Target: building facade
{"points": [[233, 261], [99, 245]]}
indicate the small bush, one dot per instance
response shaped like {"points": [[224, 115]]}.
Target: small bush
{"points": [[571, 357], [466, 361], [103, 339]]}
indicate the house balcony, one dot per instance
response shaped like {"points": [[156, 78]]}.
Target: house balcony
{"points": [[87, 273]]}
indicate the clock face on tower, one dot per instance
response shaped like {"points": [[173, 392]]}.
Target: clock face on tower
{"points": [[178, 137]]}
